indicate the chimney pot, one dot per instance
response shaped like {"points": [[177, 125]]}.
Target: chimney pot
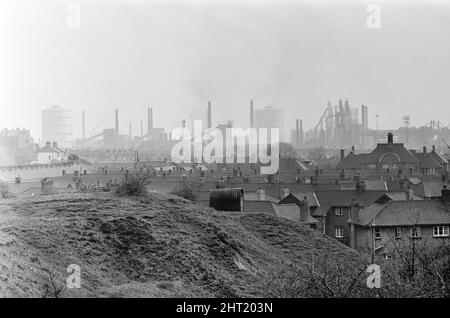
{"points": [[261, 194], [424, 149], [445, 194], [342, 154], [354, 211], [409, 194], [305, 210], [285, 192], [390, 137]]}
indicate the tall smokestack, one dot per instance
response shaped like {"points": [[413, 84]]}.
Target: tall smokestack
{"points": [[142, 128], [83, 125], [150, 119], [209, 118], [297, 132], [130, 130], [117, 121], [301, 132], [364, 122], [252, 118]]}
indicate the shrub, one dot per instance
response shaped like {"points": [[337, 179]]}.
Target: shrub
{"points": [[4, 191], [134, 184], [189, 190], [415, 270]]}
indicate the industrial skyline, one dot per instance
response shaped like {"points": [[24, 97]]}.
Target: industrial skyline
{"points": [[342, 125]]}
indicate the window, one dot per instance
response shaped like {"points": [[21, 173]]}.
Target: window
{"points": [[440, 231], [416, 232], [339, 211], [398, 232], [372, 167], [339, 232], [377, 233]]}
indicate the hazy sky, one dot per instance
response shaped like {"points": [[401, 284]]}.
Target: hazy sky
{"points": [[175, 56]]}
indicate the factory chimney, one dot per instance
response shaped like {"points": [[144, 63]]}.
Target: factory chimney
{"points": [[83, 125], [150, 119], [130, 130], [117, 122], [252, 118], [299, 132], [209, 118]]}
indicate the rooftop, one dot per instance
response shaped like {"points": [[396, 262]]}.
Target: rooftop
{"points": [[405, 213]]}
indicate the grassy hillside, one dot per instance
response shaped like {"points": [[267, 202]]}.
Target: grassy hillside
{"points": [[150, 247]]}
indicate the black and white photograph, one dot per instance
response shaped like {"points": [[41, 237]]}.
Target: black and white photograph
{"points": [[223, 155]]}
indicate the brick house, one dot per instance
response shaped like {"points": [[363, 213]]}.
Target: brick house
{"points": [[380, 227], [335, 208], [394, 158]]}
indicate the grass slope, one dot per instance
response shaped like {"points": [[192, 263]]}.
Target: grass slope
{"points": [[159, 246]]}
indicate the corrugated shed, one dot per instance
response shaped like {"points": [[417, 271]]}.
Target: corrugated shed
{"points": [[227, 199]]}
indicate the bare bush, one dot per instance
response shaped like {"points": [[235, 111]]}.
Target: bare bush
{"points": [[188, 189], [5, 193], [323, 277], [413, 269], [51, 287], [134, 184], [417, 269]]}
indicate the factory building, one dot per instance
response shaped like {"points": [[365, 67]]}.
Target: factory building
{"points": [[51, 153], [297, 135], [340, 126], [16, 138], [270, 117], [57, 126]]}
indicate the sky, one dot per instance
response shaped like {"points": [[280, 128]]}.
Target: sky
{"points": [[175, 56]]}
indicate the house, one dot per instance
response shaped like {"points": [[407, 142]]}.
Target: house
{"points": [[428, 188], [51, 153], [431, 163], [259, 207], [335, 208], [298, 212], [298, 199], [383, 227]]}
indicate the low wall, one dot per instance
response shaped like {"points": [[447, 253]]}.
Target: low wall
{"points": [[39, 171]]}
